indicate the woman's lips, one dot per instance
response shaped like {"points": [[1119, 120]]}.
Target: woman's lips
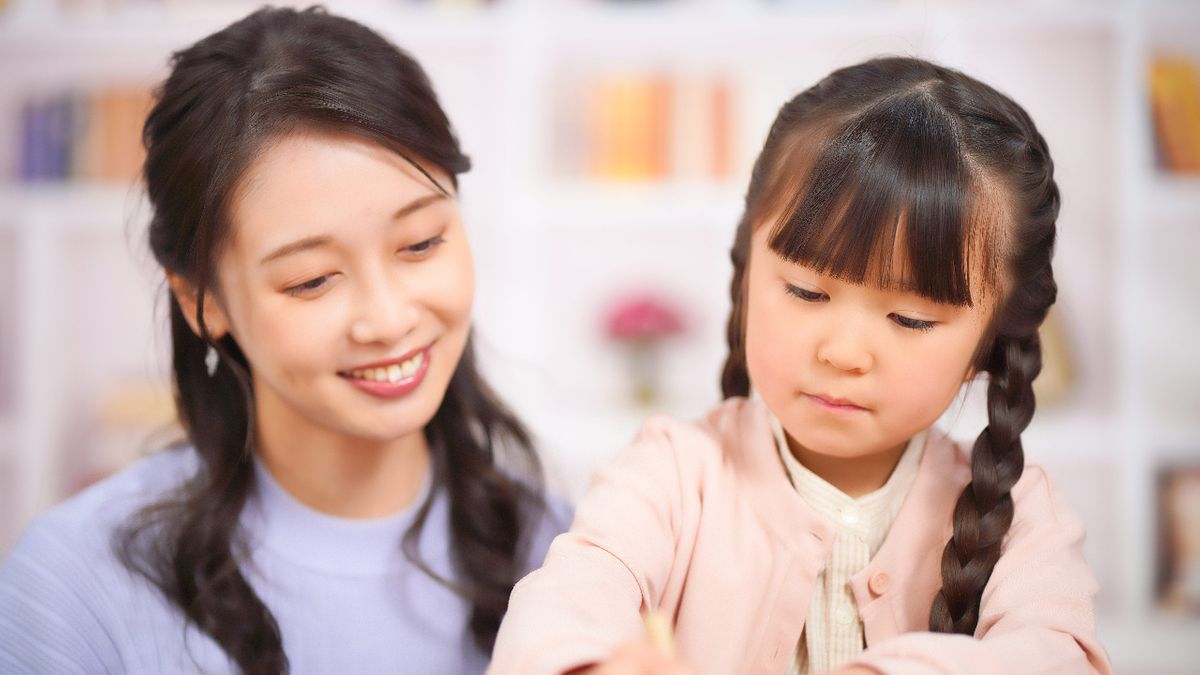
{"points": [[391, 379]]}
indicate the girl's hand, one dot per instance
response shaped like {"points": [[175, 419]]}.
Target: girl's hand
{"points": [[855, 670], [640, 658]]}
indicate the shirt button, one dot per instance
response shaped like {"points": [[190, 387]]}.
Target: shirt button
{"points": [[844, 615], [879, 583], [850, 516]]}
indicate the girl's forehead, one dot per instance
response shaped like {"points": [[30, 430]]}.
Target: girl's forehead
{"points": [[887, 196], [888, 264]]}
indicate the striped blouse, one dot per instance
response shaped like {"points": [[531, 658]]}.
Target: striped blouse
{"points": [[833, 631]]}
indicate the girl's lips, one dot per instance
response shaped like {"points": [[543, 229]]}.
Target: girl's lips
{"points": [[834, 404], [395, 385]]}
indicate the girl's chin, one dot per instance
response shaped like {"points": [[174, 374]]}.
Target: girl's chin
{"points": [[832, 445]]}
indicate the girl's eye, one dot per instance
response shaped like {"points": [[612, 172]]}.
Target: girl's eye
{"points": [[424, 247], [805, 294], [308, 286], [912, 324]]}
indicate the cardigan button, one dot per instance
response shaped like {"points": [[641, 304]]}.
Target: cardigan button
{"points": [[849, 515], [879, 583]]}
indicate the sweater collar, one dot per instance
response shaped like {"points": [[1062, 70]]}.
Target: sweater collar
{"points": [[745, 427], [281, 525], [869, 516]]}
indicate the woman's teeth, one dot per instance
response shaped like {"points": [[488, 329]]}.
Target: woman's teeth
{"points": [[393, 373]]}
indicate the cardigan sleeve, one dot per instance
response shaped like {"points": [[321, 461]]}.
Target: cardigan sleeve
{"points": [[53, 608], [1037, 609], [597, 578]]}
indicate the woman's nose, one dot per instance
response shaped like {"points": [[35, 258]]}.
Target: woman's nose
{"points": [[385, 313]]}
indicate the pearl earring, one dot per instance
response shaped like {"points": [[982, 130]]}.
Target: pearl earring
{"points": [[211, 359]]}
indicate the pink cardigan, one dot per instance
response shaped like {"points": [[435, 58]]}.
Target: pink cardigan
{"points": [[699, 519]]}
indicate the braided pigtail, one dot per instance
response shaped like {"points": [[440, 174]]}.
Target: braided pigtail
{"points": [[735, 378], [984, 510]]}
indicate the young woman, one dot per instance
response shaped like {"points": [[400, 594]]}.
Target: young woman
{"points": [[897, 240], [338, 504]]}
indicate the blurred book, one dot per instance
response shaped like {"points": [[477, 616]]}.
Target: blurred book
{"points": [[99, 6], [643, 128], [46, 127], [702, 129], [10, 321], [628, 126], [93, 135], [1179, 539], [1174, 84], [131, 419], [1058, 373]]}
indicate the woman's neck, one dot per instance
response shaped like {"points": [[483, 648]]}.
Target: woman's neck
{"points": [[340, 476], [854, 476]]}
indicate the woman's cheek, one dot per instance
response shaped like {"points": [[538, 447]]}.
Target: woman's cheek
{"points": [[452, 283]]}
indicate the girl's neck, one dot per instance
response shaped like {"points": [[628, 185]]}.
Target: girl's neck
{"points": [[340, 476], [854, 476]]}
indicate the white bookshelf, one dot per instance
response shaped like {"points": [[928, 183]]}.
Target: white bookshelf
{"points": [[550, 249]]}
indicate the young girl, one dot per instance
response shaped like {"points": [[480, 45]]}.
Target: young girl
{"points": [[337, 505], [897, 240]]}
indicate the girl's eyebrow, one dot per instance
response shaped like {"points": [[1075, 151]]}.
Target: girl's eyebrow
{"points": [[902, 285], [318, 241]]}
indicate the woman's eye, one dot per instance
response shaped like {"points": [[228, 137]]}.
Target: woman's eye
{"points": [[805, 294], [308, 286], [424, 247], [912, 324]]}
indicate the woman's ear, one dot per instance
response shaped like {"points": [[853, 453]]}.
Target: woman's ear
{"points": [[214, 317]]}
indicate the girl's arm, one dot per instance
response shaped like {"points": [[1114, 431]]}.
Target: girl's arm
{"points": [[1037, 612], [587, 598]]}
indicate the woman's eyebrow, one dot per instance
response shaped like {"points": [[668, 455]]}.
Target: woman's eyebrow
{"points": [[416, 205], [296, 247], [318, 241]]}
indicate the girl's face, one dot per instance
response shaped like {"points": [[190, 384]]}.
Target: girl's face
{"points": [[851, 370], [347, 283]]}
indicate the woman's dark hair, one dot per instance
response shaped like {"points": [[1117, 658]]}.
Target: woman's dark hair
{"points": [[226, 98], [898, 155]]}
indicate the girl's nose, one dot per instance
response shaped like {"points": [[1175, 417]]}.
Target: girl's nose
{"points": [[846, 350]]}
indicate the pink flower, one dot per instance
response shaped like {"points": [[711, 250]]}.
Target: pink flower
{"points": [[642, 318]]}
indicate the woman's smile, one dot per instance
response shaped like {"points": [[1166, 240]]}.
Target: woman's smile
{"points": [[391, 378]]}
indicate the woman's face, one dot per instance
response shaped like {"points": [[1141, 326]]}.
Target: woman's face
{"points": [[347, 282]]}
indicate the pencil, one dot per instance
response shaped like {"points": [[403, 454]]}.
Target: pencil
{"points": [[658, 628]]}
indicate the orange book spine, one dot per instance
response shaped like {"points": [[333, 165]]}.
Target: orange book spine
{"points": [[629, 124], [721, 166], [1167, 101], [1188, 87]]}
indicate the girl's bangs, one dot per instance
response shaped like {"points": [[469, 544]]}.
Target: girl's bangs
{"points": [[888, 201]]}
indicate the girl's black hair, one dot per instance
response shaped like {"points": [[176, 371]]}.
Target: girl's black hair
{"points": [[226, 98], [900, 172]]}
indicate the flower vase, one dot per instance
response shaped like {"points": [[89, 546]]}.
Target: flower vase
{"points": [[643, 372]]}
